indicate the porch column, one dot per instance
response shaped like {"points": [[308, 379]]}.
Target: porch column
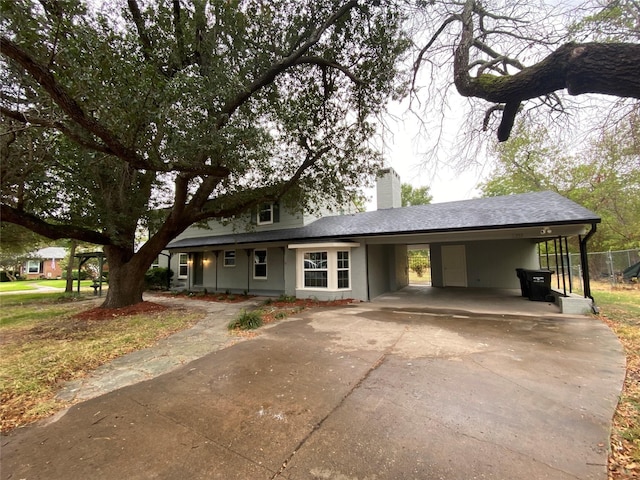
{"points": [[584, 262]]}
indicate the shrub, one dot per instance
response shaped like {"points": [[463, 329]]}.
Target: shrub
{"points": [[419, 269], [74, 275], [286, 298], [157, 278], [246, 321]]}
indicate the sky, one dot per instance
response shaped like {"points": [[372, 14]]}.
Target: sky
{"points": [[406, 148]]}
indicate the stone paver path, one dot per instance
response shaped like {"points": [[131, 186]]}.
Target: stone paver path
{"points": [[208, 335]]}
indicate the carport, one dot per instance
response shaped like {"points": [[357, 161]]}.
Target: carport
{"points": [[464, 301], [476, 244]]}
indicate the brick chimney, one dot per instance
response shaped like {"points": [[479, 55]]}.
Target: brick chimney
{"points": [[388, 189]]}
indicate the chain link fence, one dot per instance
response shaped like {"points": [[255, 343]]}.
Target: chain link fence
{"points": [[603, 267]]}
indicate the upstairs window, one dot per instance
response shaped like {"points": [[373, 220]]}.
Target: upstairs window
{"points": [[265, 214]]}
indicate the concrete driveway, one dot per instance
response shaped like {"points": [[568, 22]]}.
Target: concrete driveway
{"points": [[356, 392]]}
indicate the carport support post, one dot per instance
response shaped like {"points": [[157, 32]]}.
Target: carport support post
{"points": [[564, 284], [566, 249], [584, 262]]}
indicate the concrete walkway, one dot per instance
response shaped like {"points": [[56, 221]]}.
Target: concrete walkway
{"points": [[365, 391], [208, 335]]}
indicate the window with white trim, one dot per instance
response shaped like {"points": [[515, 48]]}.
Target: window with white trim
{"points": [[229, 258], [156, 262], [183, 265], [324, 266], [343, 269], [33, 266], [265, 214], [316, 274], [260, 264]]}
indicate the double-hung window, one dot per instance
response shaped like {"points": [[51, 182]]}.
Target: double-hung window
{"points": [[183, 265], [33, 266], [324, 266], [316, 273], [260, 264], [343, 269], [229, 258], [265, 214]]}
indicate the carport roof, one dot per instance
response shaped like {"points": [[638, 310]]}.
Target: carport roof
{"points": [[510, 211]]}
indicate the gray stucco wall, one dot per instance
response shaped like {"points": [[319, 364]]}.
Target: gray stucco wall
{"points": [[387, 268], [491, 263], [239, 278]]}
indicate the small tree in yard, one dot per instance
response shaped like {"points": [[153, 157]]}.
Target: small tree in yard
{"points": [[163, 114]]}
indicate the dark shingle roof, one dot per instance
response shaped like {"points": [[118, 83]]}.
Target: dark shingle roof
{"points": [[522, 210]]}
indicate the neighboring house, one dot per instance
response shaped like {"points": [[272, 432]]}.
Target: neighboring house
{"points": [[472, 243], [44, 263]]}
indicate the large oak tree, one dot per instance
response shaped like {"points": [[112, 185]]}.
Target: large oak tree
{"points": [[510, 52], [117, 115]]}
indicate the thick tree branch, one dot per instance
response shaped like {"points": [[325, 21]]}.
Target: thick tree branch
{"points": [[603, 68], [44, 122], [279, 67], [68, 104], [53, 231], [328, 63], [145, 41]]}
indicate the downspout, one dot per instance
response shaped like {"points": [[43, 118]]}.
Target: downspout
{"points": [[584, 260]]}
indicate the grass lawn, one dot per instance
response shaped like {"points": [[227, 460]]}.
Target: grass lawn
{"points": [[620, 309], [15, 286], [45, 342], [25, 285]]}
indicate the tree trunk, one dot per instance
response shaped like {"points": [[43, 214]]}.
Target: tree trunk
{"points": [[126, 277], [69, 285]]}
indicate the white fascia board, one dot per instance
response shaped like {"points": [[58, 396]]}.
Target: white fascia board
{"points": [[316, 246]]}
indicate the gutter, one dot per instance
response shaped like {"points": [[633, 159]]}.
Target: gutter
{"points": [[585, 267]]}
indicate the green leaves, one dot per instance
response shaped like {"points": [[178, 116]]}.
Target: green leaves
{"points": [[604, 176]]}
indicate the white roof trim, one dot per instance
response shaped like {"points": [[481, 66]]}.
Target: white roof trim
{"points": [[324, 245]]}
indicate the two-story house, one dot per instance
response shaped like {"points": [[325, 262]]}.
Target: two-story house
{"points": [[472, 243]]}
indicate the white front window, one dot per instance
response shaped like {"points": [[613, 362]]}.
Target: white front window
{"points": [[260, 264], [325, 267], [183, 265], [33, 266], [344, 271], [229, 258], [315, 270]]}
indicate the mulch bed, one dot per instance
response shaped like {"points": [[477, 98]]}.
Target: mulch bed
{"points": [[214, 297], [107, 313]]}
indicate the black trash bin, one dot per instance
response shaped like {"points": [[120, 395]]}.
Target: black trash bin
{"points": [[524, 287], [538, 284]]}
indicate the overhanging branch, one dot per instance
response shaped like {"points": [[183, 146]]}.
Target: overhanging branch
{"points": [[53, 231], [268, 76]]}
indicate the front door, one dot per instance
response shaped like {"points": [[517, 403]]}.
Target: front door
{"points": [[454, 266], [198, 269]]}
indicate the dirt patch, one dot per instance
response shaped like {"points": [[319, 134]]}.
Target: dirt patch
{"points": [[278, 309], [108, 313]]}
